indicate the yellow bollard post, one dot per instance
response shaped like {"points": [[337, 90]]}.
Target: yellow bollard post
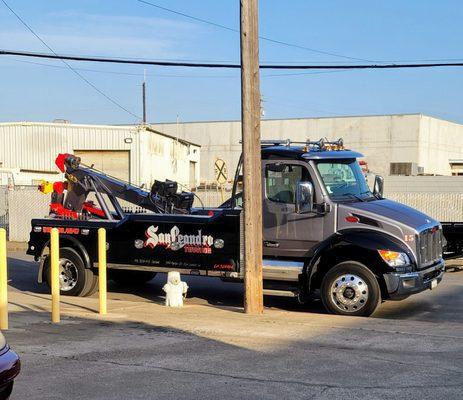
{"points": [[55, 287], [102, 270], [3, 282]]}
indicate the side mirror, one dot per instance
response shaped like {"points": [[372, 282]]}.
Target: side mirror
{"points": [[378, 187], [304, 197]]}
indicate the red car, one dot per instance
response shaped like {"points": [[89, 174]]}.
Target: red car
{"points": [[9, 368]]}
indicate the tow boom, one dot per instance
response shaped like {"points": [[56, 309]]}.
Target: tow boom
{"points": [[82, 180]]}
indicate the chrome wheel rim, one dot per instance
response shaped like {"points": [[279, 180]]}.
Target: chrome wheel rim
{"points": [[67, 275], [349, 293]]}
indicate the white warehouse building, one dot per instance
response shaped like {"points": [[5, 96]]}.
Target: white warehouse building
{"points": [[403, 144], [138, 154]]}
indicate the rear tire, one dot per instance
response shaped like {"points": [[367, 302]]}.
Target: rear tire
{"points": [[130, 278], [350, 288], [75, 279]]}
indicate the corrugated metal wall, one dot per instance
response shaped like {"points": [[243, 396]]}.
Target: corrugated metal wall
{"points": [[34, 146]]}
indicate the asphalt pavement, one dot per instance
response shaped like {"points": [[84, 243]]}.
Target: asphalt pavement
{"points": [[209, 349]]}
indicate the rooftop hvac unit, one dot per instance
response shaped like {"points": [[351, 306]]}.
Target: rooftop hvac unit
{"points": [[405, 168]]}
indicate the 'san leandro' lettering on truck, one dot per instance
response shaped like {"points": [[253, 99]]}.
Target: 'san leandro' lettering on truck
{"points": [[174, 240]]}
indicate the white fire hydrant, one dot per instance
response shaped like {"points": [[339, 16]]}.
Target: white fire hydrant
{"points": [[175, 290]]}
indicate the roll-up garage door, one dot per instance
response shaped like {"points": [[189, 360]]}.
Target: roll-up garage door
{"points": [[112, 162]]}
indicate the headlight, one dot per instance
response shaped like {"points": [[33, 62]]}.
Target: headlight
{"points": [[394, 258]]}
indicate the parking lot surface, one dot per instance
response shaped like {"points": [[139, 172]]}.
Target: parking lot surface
{"points": [[209, 349]]}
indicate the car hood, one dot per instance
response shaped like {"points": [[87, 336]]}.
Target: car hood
{"points": [[391, 210]]}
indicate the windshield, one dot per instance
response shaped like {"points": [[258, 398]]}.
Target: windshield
{"points": [[344, 179]]}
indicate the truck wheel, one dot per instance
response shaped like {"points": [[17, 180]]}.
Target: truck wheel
{"points": [[131, 278], [74, 278], [350, 288]]}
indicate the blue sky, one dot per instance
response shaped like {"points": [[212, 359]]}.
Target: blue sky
{"points": [[372, 30]]}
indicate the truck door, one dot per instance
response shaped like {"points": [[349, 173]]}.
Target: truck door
{"points": [[286, 233]]}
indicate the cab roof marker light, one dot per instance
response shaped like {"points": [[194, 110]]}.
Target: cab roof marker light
{"points": [[320, 145]]}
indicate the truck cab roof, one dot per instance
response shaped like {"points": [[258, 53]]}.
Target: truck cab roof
{"points": [[302, 153]]}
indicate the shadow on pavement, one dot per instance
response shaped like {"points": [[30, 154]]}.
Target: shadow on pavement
{"points": [[93, 359], [441, 305]]}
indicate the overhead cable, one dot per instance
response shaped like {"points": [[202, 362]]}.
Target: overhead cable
{"points": [[231, 66]]}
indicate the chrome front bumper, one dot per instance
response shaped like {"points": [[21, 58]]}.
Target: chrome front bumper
{"points": [[401, 285]]}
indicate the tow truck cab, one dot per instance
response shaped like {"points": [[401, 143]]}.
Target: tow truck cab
{"points": [[323, 230]]}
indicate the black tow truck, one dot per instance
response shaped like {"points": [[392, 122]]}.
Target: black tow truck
{"points": [[323, 230]]}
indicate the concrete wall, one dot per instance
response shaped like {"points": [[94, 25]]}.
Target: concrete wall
{"points": [[382, 139], [440, 141]]}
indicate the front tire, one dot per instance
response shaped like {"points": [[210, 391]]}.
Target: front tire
{"points": [[74, 278], [350, 288]]}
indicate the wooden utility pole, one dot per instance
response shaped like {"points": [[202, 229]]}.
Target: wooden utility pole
{"points": [[252, 180]]}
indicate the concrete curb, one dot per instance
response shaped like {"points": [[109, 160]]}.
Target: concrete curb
{"points": [[16, 246]]}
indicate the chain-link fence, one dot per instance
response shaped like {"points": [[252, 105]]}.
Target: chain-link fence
{"points": [[212, 194], [4, 207], [20, 205], [444, 207]]}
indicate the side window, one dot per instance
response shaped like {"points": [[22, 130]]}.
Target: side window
{"points": [[281, 180]]}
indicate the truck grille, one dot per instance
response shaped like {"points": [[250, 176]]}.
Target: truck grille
{"points": [[430, 246]]}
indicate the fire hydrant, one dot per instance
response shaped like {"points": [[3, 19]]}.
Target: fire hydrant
{"points": [[175, 290]]}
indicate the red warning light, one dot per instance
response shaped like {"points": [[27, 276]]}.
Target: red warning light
{"points": [[60, 161]]}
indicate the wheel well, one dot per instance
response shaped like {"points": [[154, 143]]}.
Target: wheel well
{"points": [[338, 254], [73, 244]]}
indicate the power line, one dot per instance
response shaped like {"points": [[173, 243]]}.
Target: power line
{"points": [[267, 39], [281, 42], [100, 71], [68, 65], [137, 74], [231, 66]]}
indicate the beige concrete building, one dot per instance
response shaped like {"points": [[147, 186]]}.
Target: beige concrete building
{"points": [[406, 144]]}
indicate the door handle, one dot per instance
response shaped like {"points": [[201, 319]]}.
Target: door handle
{"points": [[270, 243]]}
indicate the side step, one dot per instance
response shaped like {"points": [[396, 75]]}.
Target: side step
{"points": [[281, 293], [280, 270]]}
